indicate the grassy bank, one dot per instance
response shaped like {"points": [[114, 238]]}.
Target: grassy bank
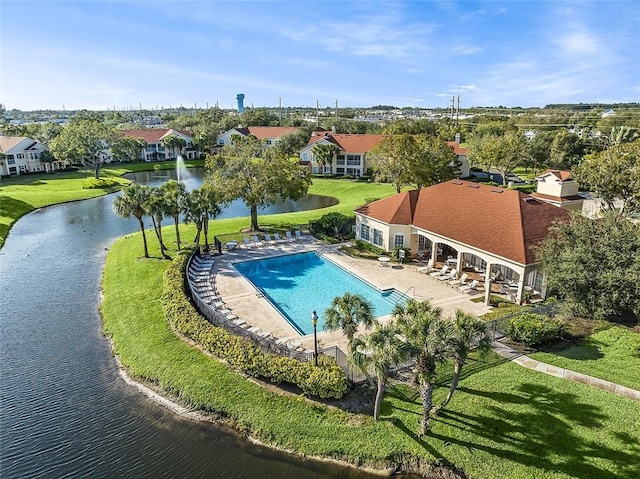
{"points": [[612, 355], [505, 421], [22, 194]]}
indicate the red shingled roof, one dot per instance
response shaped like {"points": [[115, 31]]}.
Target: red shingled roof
{"points": [[264, 132], [349, 142], [562, 175], [503, 222], [151, 135]]}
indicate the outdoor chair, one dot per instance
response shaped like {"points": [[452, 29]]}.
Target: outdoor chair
{"points": [[276, 237], [298, 234], [256, 241], [269, 240], [247, 243], [444, 269], [448, 276], [289, 237], [458, 282], [466, 288], [425, 268]]}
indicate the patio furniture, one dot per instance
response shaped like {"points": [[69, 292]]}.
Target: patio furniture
{"points": [[298, 234], [451, 261], [289, 237], [269, 240], [467, 288], [384, 260], [247, 243], [256, 241], [447, 277], [231, 245], [276, 237], [444, 269], [459, 282], [425, 269]]}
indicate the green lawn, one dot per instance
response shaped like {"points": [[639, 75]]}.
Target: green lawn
{"points": [[505, 421], [612, 354]]}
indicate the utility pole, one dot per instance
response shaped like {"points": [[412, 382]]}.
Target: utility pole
{"points": [[280, 110], [317, 113], [453, 102], [336, 109], [458, 110]]}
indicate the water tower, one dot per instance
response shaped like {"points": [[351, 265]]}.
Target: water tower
{"points": [[240, 99]]}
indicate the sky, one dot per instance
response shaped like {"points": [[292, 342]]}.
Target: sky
{"points": [[122, 54]]}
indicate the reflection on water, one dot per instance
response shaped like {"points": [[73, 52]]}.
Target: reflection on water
{"points": [[65, 410], [236, 208]]}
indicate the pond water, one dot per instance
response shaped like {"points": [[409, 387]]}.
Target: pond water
{"points": [[237, 208], [65, 411]]}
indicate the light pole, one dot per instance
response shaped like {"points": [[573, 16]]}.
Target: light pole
{"points": [[314, 321]]}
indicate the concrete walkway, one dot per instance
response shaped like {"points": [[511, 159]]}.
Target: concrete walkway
{"points": [[523, 360]]}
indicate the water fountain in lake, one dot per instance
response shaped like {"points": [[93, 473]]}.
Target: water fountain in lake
{"points": [[181, 170]]}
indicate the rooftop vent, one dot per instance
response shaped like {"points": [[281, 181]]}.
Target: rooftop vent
{"points": [[473, 186], [457, 183], [497, 191]]}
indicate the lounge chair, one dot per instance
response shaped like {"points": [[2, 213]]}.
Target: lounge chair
{"points": [[459, 282], [269, 240], [466, 288], [425, 268], [256, 241], [444, 269], [276, 237], [289, 237], [447, 277], [247, 243], [298, 235]]}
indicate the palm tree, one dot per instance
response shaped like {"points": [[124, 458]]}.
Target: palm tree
{"points": [[323, 154], [174, 194], [132, 203], [469, 332], [429, 338], [155, 207], [174, 142], [201, 205], [375, 353], [347, 312]]}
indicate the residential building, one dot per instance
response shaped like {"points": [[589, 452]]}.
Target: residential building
{"points": [[493, 231], [269, 134], [558, 188], [21, 155], [353, 149], [156, 150]]}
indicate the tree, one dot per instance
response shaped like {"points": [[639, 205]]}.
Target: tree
{"points": [[323, 153], [614, 174], [538, 150], [567, 149], [429, 338], [84, 140], [155, 207], [201, 205], [174, 143], [392, 159], [436, 162], [375, 353], [347, 312], [257, 174], [502, 152], [290, 144], [132, 202], [469, 332], [175, 196], [127, 148], [594, 265]]}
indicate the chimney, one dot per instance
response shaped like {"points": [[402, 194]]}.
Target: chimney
{"points": [[333, 130], [457, 140]]}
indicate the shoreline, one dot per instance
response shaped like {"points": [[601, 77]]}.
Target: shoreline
{"points": [[194, 415]]}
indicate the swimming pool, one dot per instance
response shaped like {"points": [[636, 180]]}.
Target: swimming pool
{"points": [[299, 283]]}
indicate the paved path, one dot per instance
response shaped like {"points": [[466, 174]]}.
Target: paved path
{"points": [[523, 360]]}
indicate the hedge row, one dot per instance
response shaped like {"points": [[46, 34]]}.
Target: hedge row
{"points": [[327, 380], [533, 329]]}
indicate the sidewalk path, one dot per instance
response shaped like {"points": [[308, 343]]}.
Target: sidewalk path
{"points": [[522, 359]]}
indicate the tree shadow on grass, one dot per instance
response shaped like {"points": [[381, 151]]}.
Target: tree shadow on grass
{"points": [[13, 208], [534, 426]]}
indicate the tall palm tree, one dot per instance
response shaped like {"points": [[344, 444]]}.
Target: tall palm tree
{"points": [[132, 203], [469, 332], [347, 312], [429, 338], [376, 352], [202, 204], [155, 207], [323, 154], [174, 194]]}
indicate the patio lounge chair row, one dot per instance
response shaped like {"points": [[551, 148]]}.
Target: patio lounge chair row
{"points": [[256, 242]]}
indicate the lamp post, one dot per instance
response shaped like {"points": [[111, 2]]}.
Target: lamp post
{"points": [[314, 321]]}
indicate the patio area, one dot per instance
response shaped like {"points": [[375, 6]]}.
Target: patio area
{"points": [[247, 303]]}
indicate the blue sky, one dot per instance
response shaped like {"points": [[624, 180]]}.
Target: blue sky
{"points": [[106, 54]]}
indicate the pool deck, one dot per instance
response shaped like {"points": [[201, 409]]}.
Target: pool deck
{"points": [[240, 295]]}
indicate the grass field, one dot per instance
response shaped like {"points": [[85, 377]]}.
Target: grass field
{"points": [[612, 354], [505, 421]]}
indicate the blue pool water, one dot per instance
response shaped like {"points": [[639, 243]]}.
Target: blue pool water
{"points": [[299, 283]]}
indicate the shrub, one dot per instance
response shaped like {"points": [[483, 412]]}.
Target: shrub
{"points": [[327, 380], [532, 329], [98, 183]]}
